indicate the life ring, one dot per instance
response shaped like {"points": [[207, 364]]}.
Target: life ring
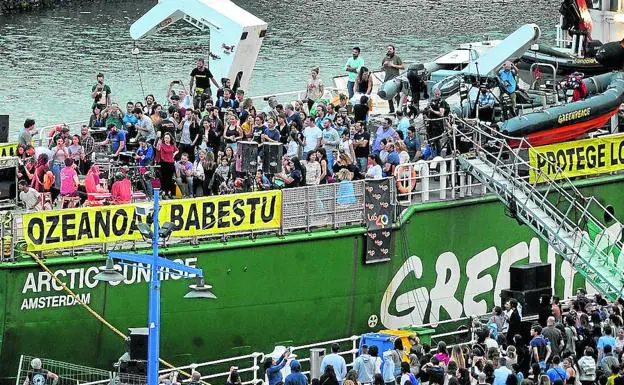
{"points": [[404, 185]]}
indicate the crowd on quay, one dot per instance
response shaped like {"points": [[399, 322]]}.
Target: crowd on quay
{"points": [[584, 346], [191, 140]]}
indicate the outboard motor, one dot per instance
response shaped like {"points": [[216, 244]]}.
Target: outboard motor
{"points": [[416, 77], [611, 55], [571, 14]]}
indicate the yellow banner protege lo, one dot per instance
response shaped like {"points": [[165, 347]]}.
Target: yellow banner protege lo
{"points": [[577, 158], [61, 229]]}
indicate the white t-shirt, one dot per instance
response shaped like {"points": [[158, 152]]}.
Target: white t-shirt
{"points": [[404, 157], [30, 199], [491, 343], [292, 148], [345, 146], [312, 136], [374, 172]]}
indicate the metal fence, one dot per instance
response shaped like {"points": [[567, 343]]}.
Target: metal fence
{"points": [[332, 205], [250, 365], [434, 180], [69, 374], [329, 206]]}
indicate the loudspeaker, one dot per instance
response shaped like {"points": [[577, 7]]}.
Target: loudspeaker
{"points": [[272, 158], [543, 276], [525, 330], [247, 157], [4, 128], [134, 367], [528, 299], [530, 276], [138, 343]]}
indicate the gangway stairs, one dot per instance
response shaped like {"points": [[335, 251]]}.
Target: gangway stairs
{"points": [[551, 205]]}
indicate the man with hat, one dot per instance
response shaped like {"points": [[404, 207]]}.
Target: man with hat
{"points": [[344, 112], [116, 138], [38, 375], [485, 104], [507, 76]]}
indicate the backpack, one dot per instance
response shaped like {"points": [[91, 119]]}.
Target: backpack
{"points": [[493, 329], [48, 180]]}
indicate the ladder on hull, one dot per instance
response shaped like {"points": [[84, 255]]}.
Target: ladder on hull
{"points": [[552, 206]]}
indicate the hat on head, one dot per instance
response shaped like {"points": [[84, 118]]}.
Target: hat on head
{"points": [[35, 363], [342, 109]]}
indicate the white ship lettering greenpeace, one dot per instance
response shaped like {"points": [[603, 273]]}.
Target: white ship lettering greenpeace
{"points": [[83, 278], [421, 305]]}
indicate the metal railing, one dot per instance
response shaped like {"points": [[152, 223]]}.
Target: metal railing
{"points": [[331, 205], [250, 365], [69, 374], [328, 206], [335, 205], [434, 180], [569, 225]]}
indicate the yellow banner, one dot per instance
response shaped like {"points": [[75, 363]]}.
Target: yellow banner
{"points": [[68, 228], [8, 149], [577, 158]]}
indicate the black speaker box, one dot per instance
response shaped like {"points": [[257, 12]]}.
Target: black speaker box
{"points": [[272, 158], [4, 128], [528, 299], [138, 343], [247, 157], [530, 276], [525, 330], [134, 367]]}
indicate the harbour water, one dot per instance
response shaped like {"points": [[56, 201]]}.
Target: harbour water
{"points": [[50, 57]]}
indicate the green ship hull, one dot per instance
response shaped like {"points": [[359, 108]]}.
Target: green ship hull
{"points": [[450, 259]]}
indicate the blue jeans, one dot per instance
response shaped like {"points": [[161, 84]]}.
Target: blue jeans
{"points": [[350, 86], [330, 162]]}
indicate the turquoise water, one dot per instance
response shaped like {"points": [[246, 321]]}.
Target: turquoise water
{"points": [[50, 58]]}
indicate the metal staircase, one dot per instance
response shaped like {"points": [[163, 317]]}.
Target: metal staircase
{"points": [[552, 206]]}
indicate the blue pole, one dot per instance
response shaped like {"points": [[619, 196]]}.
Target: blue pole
{"points": [[153, 322]]}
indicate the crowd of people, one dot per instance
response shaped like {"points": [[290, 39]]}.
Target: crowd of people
{"points": [[584, 346], [191, 140], [581, 346]]}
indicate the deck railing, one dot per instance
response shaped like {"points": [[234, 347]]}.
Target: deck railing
{"points": [[250, 365], [329, 206]]}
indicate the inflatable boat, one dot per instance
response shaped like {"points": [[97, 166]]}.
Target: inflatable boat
{"points": [[563, 61], [605, 94]]}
